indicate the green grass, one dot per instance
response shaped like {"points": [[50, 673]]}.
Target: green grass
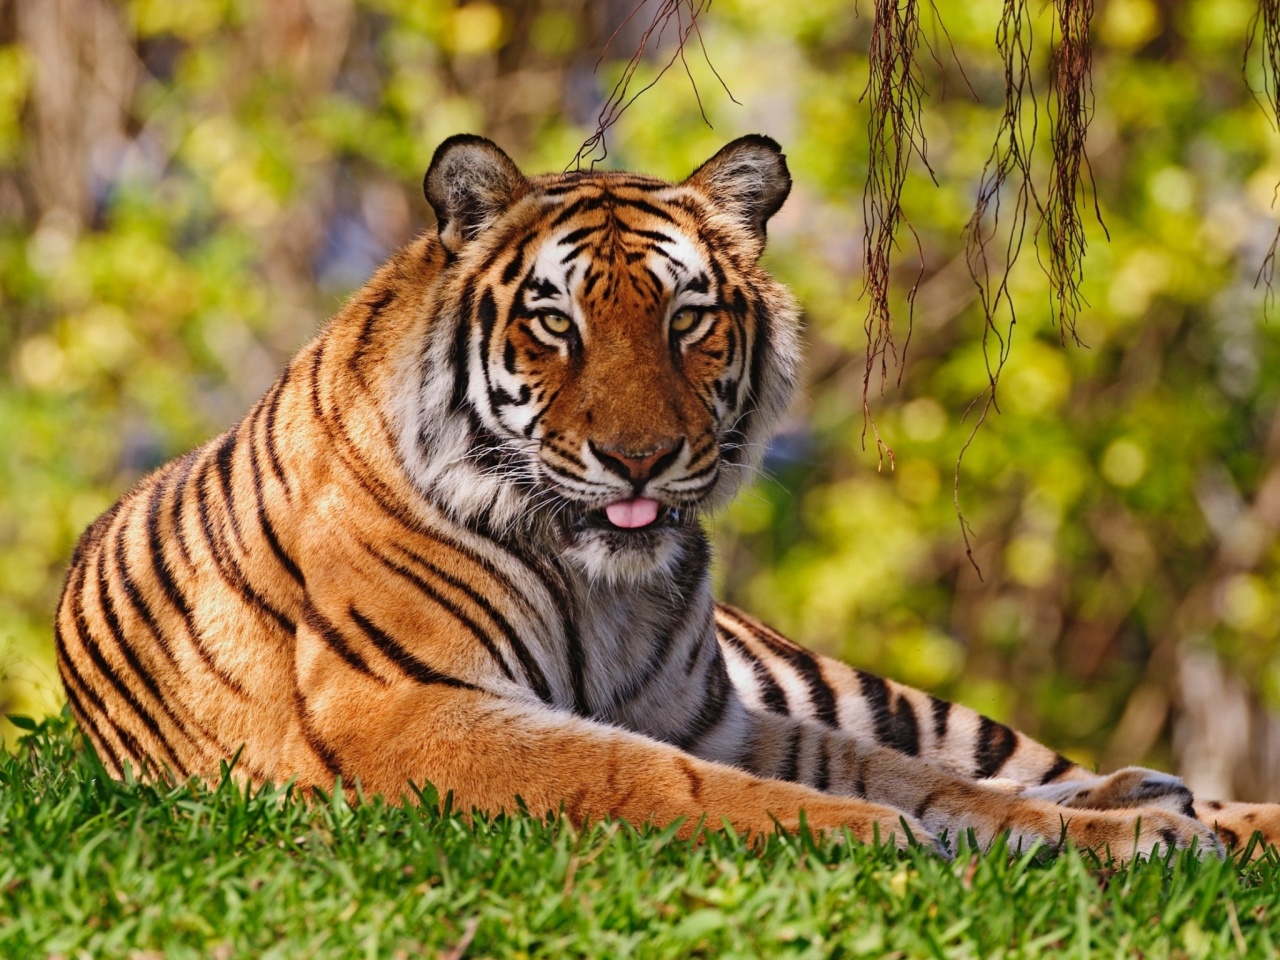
{"points": [[93, 867]]}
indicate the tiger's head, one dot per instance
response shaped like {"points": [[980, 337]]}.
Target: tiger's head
{"points": [[608, 358]]}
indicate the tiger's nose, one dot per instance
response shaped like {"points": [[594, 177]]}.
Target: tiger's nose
{"points": [[636, 467]]}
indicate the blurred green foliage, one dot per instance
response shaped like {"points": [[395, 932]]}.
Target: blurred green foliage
{"points": [[251, 163]]}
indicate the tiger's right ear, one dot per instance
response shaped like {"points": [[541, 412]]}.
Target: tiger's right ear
{"points": [[469, 184], [748, 179]]}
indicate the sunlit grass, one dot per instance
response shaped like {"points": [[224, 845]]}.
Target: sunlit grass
{"points": [[90, 866]]}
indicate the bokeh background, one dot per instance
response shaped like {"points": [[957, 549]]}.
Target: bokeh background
{"points": [[188, 188]]}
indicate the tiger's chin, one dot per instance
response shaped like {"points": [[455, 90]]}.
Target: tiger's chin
{"points": [[613, 553]]}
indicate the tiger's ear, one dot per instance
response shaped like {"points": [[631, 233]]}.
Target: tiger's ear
{"points": [[748, 178], [469, 184]]}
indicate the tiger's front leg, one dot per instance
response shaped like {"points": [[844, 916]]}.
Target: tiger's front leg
{"points": [[779, 678], [949, 804], [397, 720]]}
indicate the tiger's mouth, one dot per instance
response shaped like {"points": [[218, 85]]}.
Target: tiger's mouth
{"points": [[634, 516]]}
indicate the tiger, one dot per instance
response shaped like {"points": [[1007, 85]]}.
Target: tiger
{"points": [[460, 542]]}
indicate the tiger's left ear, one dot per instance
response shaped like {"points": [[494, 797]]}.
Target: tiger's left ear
{"points": [[469, 184], [748, 178]]}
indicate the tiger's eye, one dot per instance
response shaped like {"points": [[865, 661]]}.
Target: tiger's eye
{"points": [[684, 320], [556, 323]]}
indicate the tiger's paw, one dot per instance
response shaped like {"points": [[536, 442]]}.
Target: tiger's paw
{"points": [[1125, 789], [903, 829], [885, 824], [1135, 833], [1237, 823]]}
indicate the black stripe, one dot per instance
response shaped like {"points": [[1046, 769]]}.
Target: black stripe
{"points": [[155, 546], [711, 467], [573, 236], [225, 466], [560, 471], [894, 717], [574, 253], [505, 584], [791, 757], [563, 450], [658, 288], [822, 774], [771, 695], [528, 664], [646, 207], [375, 305], [487, 315], [925, 803], [317, 406], [321, 749], [456, 611], [802, 661], [164, 575], [546, 402], [576, 657], [546, 571], [142, 610], [736, 437], [264, 520], [715, 701], [410, 665], [655, 235], [512, 269], [97, 530], [461, 354], [134, 595], [499, 397], [131, 657], [996, 744], [584, 204], [177, 513], [87, 641], [225, 561], [336, 641], [1060, 766], [273, 409], [941, 716], [71, 680], [536, 565]]}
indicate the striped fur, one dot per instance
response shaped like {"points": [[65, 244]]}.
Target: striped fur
{"points": [[405, 565]]}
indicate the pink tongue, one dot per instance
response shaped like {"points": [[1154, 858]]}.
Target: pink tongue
{"points": [[630, 514]]}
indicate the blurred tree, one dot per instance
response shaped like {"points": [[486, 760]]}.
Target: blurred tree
{"points": [[187, 188]]}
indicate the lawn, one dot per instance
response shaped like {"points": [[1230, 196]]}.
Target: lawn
{"points": [[92, 867]]}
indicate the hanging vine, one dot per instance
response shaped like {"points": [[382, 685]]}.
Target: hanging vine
{"points": [[1070, 110], [1264, 34], [681, 17], [894, 93], [1010, 158]]}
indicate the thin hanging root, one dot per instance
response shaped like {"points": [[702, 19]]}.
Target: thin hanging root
{"points": [[894, 92], [1265, 28], [683, 16], [1010, 156], [1070, 110], [1059, 222]]}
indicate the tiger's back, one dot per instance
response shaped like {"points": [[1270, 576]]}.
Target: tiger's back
{"points": [[458, 540]]}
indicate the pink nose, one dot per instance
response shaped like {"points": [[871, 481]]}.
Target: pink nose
{"points": [[637, 467]]}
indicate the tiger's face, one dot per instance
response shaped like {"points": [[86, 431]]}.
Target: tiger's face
{"points": [[618, 354]]}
